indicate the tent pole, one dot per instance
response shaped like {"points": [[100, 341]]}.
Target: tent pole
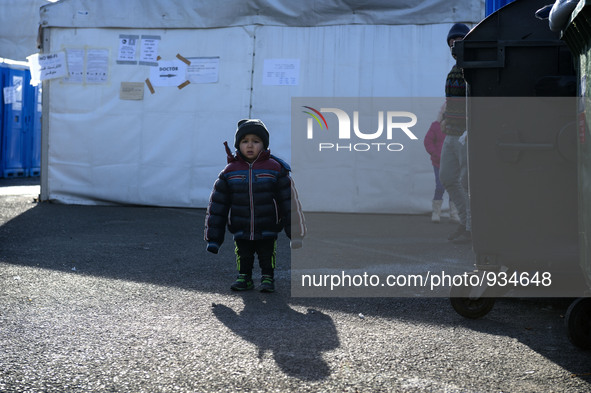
{"points": [[44, 196], [252, 68]]}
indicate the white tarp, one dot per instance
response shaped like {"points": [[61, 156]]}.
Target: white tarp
{"points": [[166, 148], [155, 14], [19, 25]]}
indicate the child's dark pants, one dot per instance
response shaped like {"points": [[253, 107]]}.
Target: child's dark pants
{"points": [[266, 251]]}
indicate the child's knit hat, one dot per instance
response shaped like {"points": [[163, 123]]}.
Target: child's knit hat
{"points": [[251, 126], [457, 30]]}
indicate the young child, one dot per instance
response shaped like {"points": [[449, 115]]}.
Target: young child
{"points": [[433, 143], [253, 197]]}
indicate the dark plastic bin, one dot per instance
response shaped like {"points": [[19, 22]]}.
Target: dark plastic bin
{"points": [[522, 149], [578, 37]]}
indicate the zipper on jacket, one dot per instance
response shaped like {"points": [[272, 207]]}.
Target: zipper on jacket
{"points": [[250, 194], [251, 200]]}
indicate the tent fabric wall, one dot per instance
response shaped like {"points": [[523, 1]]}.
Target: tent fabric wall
{"points": [[228, 13], [166, 149], [358, 61], [19, 26], [163, 150]]}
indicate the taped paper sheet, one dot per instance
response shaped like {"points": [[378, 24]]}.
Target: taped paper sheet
{"points": [[149, 50], [75, 59], [48, 66], [281, 72], [127, 49], [97, 65], [203, 69], [168, 73], [131, 91]]}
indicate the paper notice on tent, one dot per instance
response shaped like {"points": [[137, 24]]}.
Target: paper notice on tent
{"points": [[97, 65], [203, 69], [168, 73], [131, 91], [281, 72], [75, 59], [47, 66], [149, 50], [127, 49]]}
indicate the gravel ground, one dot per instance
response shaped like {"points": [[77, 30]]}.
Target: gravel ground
{"points": [[125, 299]]}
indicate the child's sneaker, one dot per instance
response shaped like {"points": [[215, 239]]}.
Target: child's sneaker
{"points": [[267, 284], [242, 283]]}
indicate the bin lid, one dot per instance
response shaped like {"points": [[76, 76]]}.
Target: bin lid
{"points": [[511, 52], [515, 21]]}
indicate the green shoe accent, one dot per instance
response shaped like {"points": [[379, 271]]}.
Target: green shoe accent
{"points": [[242, 283], [267, 284]]}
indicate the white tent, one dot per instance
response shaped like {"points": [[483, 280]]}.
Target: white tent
{"points": [[136, 135], [19, 24]]}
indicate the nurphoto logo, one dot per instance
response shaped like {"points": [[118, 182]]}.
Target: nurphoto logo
{"points": [[391, 123]]}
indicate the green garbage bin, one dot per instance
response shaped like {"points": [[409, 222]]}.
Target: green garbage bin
{"points": [[577, 35]]}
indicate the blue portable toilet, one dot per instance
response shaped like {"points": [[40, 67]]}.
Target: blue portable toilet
{"points": [[14, 123], [493, 5], [20, 123], [2, 72]]}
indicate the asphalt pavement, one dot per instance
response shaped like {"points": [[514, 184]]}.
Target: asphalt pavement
{"points": [[126, 299]]}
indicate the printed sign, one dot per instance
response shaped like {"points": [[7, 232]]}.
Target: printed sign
{"points": [[149, 50], [127, 49], [168, 73], [48, 66], [281, 72], [203, 69]]}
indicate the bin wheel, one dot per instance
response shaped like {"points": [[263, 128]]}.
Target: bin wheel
{"points": [[578, 322], [472, 308], [468, 306]]}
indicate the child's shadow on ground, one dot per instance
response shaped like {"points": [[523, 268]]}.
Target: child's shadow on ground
{"points": [[296, 340]]}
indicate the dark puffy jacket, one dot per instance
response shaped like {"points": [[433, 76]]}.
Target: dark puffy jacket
{"points": [[252, 199], [455, 102]]}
